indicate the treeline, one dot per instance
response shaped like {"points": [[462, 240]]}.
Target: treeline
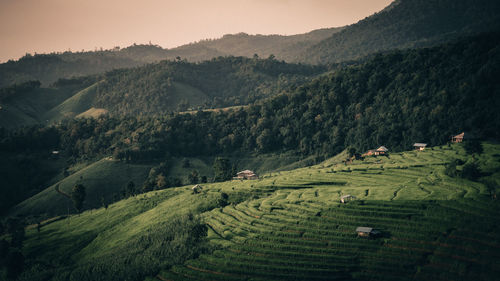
{"points": [[48, 68]]}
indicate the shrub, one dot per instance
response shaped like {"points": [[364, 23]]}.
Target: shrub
{"points": [[471, 171]]}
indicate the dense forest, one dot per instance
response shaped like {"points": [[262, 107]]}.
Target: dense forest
{"points": [[179, 85], [394, 99]]}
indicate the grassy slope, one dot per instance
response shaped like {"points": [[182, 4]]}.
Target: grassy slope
{"points": [[101, 179], [305, 229], [106, 178], [74, 105], [29, 108]]}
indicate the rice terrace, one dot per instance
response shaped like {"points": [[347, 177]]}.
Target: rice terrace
{"points": [[285, 226]]}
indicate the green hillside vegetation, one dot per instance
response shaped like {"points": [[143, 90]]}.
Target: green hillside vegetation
{"points": [[74, 105], [104, 181], [48, 68], [26, 104], [407, 24], [92, 113], [179, 85], [154, 89], [290, 225], [283, 47], [404, 24], [393, 99]]}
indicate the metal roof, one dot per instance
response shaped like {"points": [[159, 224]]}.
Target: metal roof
{"points": [[382, 148], [419, 144], [364, 229]]}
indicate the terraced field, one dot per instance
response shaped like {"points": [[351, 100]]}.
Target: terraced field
{"points": [[433, 227]]}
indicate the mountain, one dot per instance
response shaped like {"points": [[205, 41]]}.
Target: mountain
{"points": [[242, 44], [403, 24], [47, 68], [158, 88], [406, 24]]}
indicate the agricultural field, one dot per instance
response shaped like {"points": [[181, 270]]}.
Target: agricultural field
{"points": [[290, 225]]}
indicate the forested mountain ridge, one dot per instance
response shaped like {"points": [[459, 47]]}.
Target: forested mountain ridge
{"points": [[179, 85], [394, 99], [407, 24], [47, 68], [153, 89], [403, 24]]}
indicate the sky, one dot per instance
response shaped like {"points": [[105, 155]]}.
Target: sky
{"points": [[44, 26]]}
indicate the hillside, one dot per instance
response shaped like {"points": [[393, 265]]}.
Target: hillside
{"points": [[47, 68], [394, 99], [407, 24], [403, 24], [290, 225], [106, 180], [282, 47]]}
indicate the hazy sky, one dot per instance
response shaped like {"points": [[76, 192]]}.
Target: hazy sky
{"points": [[44, 26]]}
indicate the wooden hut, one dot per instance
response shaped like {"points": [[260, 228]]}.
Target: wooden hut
{"points": [[246, 175], [346, 198], [364, 231], [419, 146], [197, 188], [461, 137], [381, 150]]}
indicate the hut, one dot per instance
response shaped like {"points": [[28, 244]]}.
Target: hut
{"points": [[419, 146], [364, 231], [381, 150], [461, 137], [246, 175], [197, 188], [346, 198]]}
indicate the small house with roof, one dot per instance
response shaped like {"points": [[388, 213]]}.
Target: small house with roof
{"points": [[462, 137], [197, 188], [419, 146], [364, 231], [381, 150], [246, 175], [346, 198]]}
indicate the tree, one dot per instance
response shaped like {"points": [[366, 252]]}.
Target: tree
{"points": [[130, 190], [351, 151], [222, 169], [193, 178], [14, 264], [78, 196], [186, 163], [222, 200], [473, 146], [471, 171], [451, 169]]}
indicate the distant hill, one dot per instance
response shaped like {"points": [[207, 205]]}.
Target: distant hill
{"points": [[47, 68], [406, 24], [282, 47], [163, 87]]}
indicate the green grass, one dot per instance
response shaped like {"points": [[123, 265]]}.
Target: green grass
{"points": [[290, 225], [28, 108], [74, 105], [104, 178]]}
